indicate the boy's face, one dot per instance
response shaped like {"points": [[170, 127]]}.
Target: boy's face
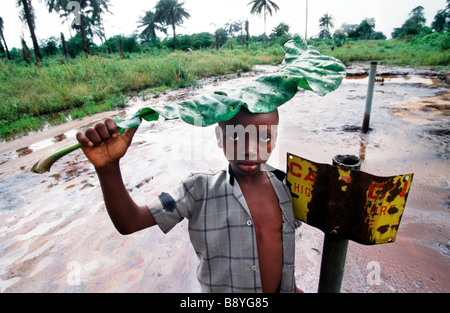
{"points": [[248, 140]]}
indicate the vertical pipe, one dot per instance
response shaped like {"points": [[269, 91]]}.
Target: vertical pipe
{"points": [[372, 76], [334, 254], [334, 251], [306, 28]]}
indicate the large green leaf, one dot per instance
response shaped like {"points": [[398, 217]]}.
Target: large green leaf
{"points": [[303, 67], [316, 72]]}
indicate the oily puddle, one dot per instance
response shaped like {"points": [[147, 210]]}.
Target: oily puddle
{"points": [[425, 108], [399, 79]]}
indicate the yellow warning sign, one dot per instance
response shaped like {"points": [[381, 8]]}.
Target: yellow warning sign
{"points": [[347, 204]]}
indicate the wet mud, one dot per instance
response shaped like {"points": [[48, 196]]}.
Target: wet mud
{"points": [[56, 236]]}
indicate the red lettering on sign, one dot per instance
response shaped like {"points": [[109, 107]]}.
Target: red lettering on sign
{"points": [[383, 210], [311, 177], [372, 191], [405, 187], [291, 169], [301, 190], [295, 169], [375, 190]]}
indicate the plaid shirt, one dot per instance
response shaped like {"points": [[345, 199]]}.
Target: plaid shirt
{"points": [[222, 232]]}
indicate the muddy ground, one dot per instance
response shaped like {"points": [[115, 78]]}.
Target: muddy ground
{"points": [[55, 234]]}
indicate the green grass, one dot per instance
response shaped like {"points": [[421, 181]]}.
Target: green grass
{"points": [[34, 96], [430, 51]]}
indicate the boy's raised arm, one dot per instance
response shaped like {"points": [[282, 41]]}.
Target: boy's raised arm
{"points": [[104, 147]]}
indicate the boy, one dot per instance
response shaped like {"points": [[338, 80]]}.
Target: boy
{"points": [[241, 222]]}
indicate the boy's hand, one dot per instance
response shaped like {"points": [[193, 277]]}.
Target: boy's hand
{"points": [[103, 145]]}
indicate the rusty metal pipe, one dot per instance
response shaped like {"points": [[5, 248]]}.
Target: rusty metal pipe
{"points": [[334, 252], [369, 99], [347, 162]]}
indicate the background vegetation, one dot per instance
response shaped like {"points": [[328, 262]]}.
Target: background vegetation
{"points": [[430, 50], [59, 89], [58, 79]]}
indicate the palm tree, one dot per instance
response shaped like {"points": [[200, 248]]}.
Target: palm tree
{"points": [[263, 5], [281, 30], [366, 28], [25, 51], [151, 26], [247, 31], [326, 22], [28, 15], [90, 21], [233, 27], [171, 12], [2, 37]]}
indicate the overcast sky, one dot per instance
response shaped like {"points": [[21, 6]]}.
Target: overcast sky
{"points": [[206, 15]]}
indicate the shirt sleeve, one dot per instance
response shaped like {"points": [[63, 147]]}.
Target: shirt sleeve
{"points": [[172, 208]]}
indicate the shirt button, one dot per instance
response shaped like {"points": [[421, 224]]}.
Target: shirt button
{"points": [[254, 268], [249, 223]]}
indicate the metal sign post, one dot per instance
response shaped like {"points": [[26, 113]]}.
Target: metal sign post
{"points": [[346, 204], [334, 252]]}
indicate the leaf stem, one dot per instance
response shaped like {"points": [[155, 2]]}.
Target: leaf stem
{"points": [[44, 165]]}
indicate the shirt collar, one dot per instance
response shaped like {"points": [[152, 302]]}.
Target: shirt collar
{"points": [[280, 175]]}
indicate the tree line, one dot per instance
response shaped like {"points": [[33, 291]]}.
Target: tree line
{"points": [[89, 24], [169, 14], [414, 25]]}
